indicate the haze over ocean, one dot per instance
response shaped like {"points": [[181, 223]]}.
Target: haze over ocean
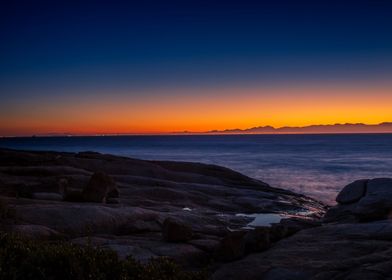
{"points": [[316, 165]]}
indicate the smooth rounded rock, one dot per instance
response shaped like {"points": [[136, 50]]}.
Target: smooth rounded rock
{"points": [[352, 192]]}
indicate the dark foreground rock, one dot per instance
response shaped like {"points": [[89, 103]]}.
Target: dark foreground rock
{"points": [[345, 251], [196, 215], [354, 242], [185, 211]]}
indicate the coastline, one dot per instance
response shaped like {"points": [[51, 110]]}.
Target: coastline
{"points": [[200, 216]]}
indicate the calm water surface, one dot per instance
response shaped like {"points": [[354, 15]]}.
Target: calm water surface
{"points": [[316, 165]]}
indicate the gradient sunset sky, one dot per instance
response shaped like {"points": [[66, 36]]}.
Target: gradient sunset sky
{"points": [[87, 67]]}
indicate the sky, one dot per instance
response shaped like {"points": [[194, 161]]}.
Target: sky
{"points": [[91, 67]]}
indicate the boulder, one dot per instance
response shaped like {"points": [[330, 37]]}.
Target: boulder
{"points": [[377, 203], [176, 231], [374, 204], [100, 187], [352, 192]]}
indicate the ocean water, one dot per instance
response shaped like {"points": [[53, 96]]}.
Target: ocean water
{"points": [[315, 165]]}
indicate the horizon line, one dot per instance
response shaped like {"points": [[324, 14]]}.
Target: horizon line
{"points": [[355, 128]]}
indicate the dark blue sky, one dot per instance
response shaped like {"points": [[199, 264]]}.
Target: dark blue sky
{"points": [[92, 44]]}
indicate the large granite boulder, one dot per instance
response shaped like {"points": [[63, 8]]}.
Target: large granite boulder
{"points": [[363, 200], [100, 187], [352, 192]]}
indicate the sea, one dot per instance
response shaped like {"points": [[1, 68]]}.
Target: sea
{"points": [[315, 165]]}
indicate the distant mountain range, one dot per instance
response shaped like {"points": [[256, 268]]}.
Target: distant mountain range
{"points": [[385, 127]]}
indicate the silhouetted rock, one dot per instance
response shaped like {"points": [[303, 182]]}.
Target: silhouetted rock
{"points": [[377, 203], [175, 231]]}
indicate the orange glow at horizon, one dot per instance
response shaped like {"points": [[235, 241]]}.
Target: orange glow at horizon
{"points": [[198, 110]]}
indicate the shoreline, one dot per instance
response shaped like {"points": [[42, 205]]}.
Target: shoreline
{"points": [[203, 217]]}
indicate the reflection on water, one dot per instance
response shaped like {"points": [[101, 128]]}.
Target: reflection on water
{"points": [[316, 165], [262, 219]]}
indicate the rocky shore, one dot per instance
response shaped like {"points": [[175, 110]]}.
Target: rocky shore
{"points": [[201, 216]]}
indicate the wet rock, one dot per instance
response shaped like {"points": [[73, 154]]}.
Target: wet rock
{"points": [[176, 231], [352, 192], [100, 187]]}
